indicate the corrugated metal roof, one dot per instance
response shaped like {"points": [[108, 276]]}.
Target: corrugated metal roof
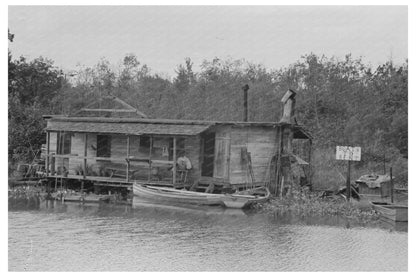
{"points": [[130, 128]]}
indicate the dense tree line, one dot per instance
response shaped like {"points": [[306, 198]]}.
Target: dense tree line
{"points": [[33, 88], [341, 101]]}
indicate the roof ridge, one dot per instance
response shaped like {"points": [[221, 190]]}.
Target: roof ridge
{"points": [[125, 106]]}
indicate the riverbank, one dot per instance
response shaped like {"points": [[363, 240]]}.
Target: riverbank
{"points": [[313, 204]]}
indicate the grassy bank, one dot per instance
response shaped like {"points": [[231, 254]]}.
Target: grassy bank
{"points": [[305, 203], [330, 174]]}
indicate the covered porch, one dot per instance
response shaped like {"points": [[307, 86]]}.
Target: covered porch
{"points": [[109, 151]]}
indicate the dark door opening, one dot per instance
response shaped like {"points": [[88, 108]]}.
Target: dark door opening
{"points": [[208, 146], [103, 146]]}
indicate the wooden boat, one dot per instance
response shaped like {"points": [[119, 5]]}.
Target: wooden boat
{"points": [[176, 195], [246, 198], [141, 203], [392, 212], [164, 194]]}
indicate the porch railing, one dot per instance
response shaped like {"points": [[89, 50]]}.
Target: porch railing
{"points": [[128, 165]]}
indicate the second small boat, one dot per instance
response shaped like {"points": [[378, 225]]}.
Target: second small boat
{"points": [[397, 213], [246, 198]]}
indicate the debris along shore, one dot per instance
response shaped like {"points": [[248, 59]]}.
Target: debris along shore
{"points": [[315, 203], [31, 197]]}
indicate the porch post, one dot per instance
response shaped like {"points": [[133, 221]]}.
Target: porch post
{"points": [[85, 155], [279, 179], [85, 162], [127, 160], [174, 162], [310, 165], [150, 158], [48, 138]]}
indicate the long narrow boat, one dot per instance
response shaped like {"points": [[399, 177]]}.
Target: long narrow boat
{"points": [[392, 212], [164, 194], [176, 195]]}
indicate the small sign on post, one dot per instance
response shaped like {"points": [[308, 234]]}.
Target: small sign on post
{"points": [[348, 153]]}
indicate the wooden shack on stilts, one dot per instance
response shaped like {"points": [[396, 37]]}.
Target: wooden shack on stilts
{"points": [[115, 145]]}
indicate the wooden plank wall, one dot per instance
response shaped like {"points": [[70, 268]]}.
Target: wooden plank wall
{"points": [[158, 144], [53, 142], [222, 153], [77, 148], [119, 147], [192, 151], [143, 152], [261, 142], [119, 151]]}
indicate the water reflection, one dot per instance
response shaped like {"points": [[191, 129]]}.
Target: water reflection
{"points": [[144, 207], [156, 237]]}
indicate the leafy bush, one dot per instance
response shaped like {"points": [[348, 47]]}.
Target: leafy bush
{"points": [[311, 203]]}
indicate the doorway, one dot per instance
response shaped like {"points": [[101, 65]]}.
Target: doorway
{"points": [[208, 153]]}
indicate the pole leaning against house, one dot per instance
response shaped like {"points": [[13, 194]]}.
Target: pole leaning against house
{"points": [[287, 121]]}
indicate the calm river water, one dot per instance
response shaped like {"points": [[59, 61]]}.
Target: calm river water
{"points": [[146, 237]]}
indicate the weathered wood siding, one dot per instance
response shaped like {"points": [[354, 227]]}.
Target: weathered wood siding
{"points": [[119, 153], [118, 147], [222, 153], [192, 151], [139, 151], [53, 142], [58, 162], [77, 149], [261, 142], [157, 148]]}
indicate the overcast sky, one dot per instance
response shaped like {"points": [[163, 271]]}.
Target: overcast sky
{"points": [[162, 37]]}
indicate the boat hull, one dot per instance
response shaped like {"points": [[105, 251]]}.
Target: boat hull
{"points": [[162, 194], [241, 201], [235, 203], [392, 212]]}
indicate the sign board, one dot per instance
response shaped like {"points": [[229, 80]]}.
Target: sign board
{"points": [[348, 153]]}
